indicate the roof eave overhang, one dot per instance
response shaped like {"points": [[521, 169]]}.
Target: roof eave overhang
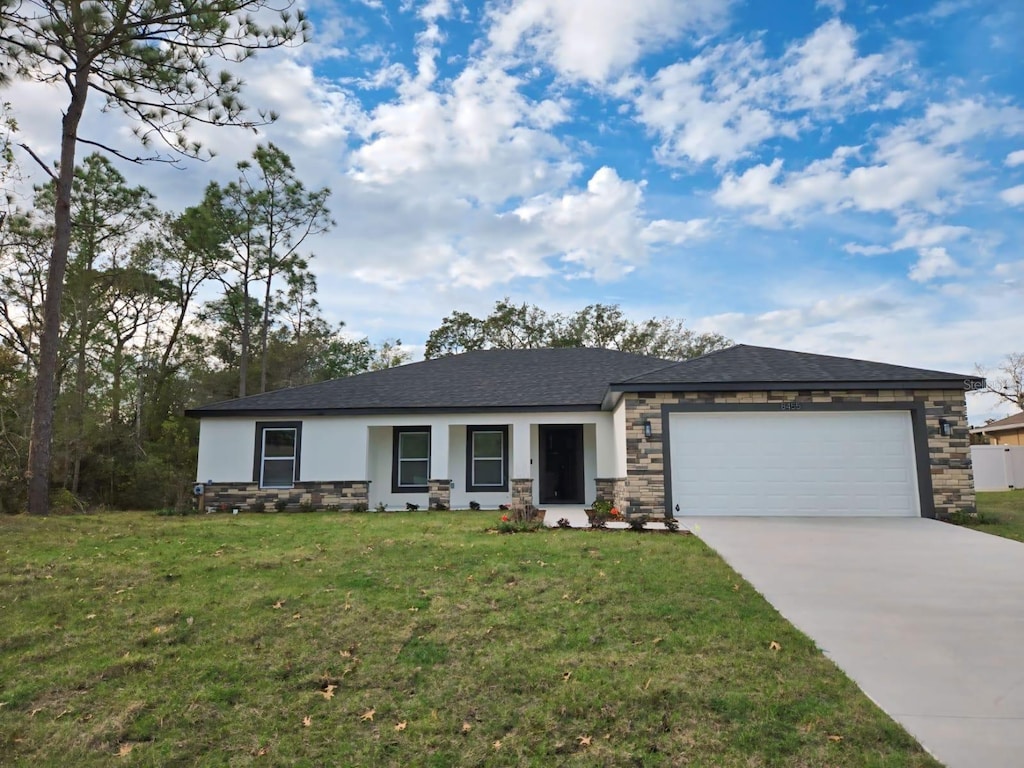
{"points": [[201, 413], [793, 386], [987, 428]]}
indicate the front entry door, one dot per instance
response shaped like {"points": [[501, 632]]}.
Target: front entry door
{"points": [[561, 464]]}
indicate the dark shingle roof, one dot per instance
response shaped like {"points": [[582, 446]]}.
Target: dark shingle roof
{"points": [[749, 367], [534, 379], [573, 379]]}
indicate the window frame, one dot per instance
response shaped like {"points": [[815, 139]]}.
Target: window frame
{"points": [[471, 460], [396, 459], [259, 459]]}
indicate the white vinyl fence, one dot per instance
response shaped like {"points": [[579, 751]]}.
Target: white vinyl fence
{"points": [[998, 467]]}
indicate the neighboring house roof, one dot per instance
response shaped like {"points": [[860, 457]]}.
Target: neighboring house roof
{"points": [[498, 379], [748, 367], [1010, 422], [573, 378]]}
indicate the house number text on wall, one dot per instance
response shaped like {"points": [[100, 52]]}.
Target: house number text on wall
{"points": [[790, 406]]}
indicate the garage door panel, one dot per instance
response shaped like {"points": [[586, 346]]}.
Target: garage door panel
{"points": [[793, 463]]}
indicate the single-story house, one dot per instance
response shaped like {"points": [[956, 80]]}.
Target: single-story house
{"points": [[743, 431], [1008, 431]]}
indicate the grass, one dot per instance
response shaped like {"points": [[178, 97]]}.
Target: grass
{"points": [[404, 639], [1000, 513]]}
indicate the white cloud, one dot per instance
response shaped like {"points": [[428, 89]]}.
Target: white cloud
{"points": [[1013, 195], [930, 236], [825, 70], [1015, 158], [602, 230], [479, 139], [835, 6], [595, 40], [865, 250], [933, 263], [728, 100]]}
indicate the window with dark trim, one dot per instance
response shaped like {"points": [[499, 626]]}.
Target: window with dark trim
{"points": [[487, 458], [276, 457], [410, 464]]}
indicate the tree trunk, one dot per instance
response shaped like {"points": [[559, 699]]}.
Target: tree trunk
{"points": [[81, 360], [41, 440], [243, 363], [263, 333]]}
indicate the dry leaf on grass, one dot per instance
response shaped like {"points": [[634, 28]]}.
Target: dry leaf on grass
{"points": [[328, 692], [835, 738], [585, 740], [497, 744], [400, 726], [466, 727], [307, 721], [124, 750], [774, 646], [279, 604], [566, 676], [368, 714]]}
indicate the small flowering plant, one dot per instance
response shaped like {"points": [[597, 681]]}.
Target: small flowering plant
{"points": [[601, 511]]}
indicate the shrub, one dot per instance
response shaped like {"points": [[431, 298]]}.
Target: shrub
{"points": [[671, 524], [563, 522], [410, 507], [258, 506], [307, 506], [966, 517], [281, 505], [518, 526], [381, 507], [637, 522], [503, 507], [475, 506], [440, 506], [360, 506]]}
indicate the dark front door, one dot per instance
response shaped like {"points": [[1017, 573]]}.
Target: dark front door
{"points": [[561, 464]]}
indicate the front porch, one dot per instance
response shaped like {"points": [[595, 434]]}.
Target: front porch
{"points": [[527, 461]]}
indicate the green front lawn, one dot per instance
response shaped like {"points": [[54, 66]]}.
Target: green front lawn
{"points": [[1001, 513], [404, 639]]}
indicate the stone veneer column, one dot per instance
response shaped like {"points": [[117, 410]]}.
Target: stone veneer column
{"points": [[439, 494], [612, 489], [522, 496]]}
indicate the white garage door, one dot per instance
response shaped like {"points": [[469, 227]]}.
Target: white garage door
{"points": [[794, 463]]}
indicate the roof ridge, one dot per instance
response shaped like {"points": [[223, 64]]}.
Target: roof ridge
{"points": [[674, 363]]}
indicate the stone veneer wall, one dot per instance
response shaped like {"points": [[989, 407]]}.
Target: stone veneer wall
{"points": [[950, 457], [611, 489], [439, 494], [342, 495], [522, 495]]}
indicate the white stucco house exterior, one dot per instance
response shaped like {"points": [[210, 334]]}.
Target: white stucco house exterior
{"points": [[745, 430]]}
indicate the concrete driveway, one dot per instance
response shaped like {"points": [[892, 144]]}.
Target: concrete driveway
{"points": [[926, 617]]}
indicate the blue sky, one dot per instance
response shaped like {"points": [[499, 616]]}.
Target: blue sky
{"points": [[833, 176]]}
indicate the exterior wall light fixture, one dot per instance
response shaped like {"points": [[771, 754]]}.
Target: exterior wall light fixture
{"points": [[648, 431], [945, 428]]}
